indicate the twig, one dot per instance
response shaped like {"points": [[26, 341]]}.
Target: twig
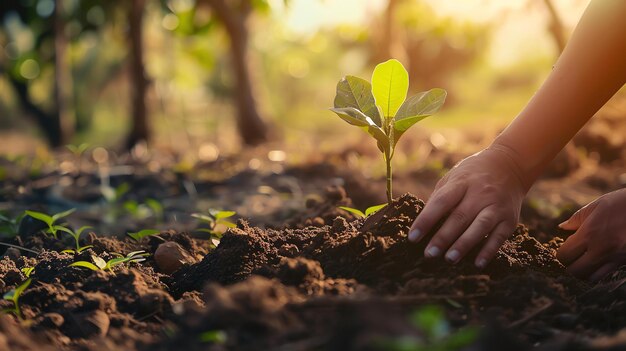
{"points": [[21, 248]]}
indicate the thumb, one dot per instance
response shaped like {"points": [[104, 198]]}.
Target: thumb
{"points": [[577, 219]]}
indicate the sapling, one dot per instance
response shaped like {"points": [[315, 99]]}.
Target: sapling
{"points": [[76, 235], [100, 264], [28, 271], [214, 218], [368, 211], [14, 296], [50, 220], [380, 107]]}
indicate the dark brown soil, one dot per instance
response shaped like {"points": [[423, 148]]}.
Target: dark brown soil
{"points": [[321, 283]]}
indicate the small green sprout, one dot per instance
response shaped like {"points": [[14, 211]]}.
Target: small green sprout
{"points": [[156, 207], [436, 333], [78, 150], [213, 219], [137, 236], [113, 195], [9, 227], [14, 296], [76, 235], [100, 264], [50, 220], [144, 210], [28, 271], [359, 213], [213, 336], [380, 108]]}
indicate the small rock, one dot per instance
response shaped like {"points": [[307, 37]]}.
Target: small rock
{"points": [[170, 256]]}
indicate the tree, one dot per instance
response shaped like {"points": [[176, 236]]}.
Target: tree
{"points": [[234, 16], [140, 130]]}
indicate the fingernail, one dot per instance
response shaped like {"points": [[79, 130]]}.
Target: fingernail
{"points": [[481, 263], [453, 256], [415, 235], [433, 251], [561, 225]]}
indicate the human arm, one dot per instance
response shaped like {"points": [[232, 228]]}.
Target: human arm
{"points": [[482, 195]]}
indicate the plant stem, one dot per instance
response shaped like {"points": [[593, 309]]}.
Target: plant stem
{"points": [[389, 190]]}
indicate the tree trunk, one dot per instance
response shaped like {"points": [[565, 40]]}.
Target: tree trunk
{"points": [[140, 130], [250, 125], [63, 79], [556, 26]]}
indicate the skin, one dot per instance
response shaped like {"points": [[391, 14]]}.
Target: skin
{"points": [[481, 196]]}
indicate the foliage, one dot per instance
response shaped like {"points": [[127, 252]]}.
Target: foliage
{"points": [[50, 220], [137, 236], [214, 218], [78, 150], [76, 235], [368, 211], [14, 296], [100, 264], [380, 108], [436, 333], [9, 227]]}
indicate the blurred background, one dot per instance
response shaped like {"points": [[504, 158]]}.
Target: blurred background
{"points": [[183, 73], [150, 109]]}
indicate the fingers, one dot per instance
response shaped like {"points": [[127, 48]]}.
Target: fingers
{"points": [[499, 235], [484, 224], [577, 219], [571, 250], [442, 202], [587, 264], [604, 270]]}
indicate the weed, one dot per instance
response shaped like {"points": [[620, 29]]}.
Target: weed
{"points": [[76, 235], [143, 233], [380, 107], [359, 213], [14, 296], [100, 264], [50, 220], [213, 219]]}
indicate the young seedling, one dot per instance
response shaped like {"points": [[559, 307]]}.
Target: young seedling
{"points": [[9, 227], [100, 264], [76, 235], [14, 296], [50, 220], [78, 151], [380, 108], [28, 271], [213, 219], [143, 233], [359, 213]]}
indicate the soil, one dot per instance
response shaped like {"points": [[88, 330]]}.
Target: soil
{"points": [[325, 281]]}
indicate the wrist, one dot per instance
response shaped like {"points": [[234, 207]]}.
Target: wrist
{"points": [[512, 161]]}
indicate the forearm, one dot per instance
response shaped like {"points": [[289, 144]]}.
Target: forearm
{"points": [[590, 70]]}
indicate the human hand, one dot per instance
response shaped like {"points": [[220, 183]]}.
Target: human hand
{"points": [[480, 197], [598, 247]]}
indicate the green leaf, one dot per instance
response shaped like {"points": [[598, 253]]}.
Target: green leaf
{"points": [[85, 264], [390, 83], [81, 249], [41, 216], [28, 271], [100, 263], [354, 211], [203, 218], [374, 209], [14, 295], [143, 233], [357, 93], [58, 216], [228, 224], [353, 116], [82, 229], [223, 214], [213, 336], [419, 107]]}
